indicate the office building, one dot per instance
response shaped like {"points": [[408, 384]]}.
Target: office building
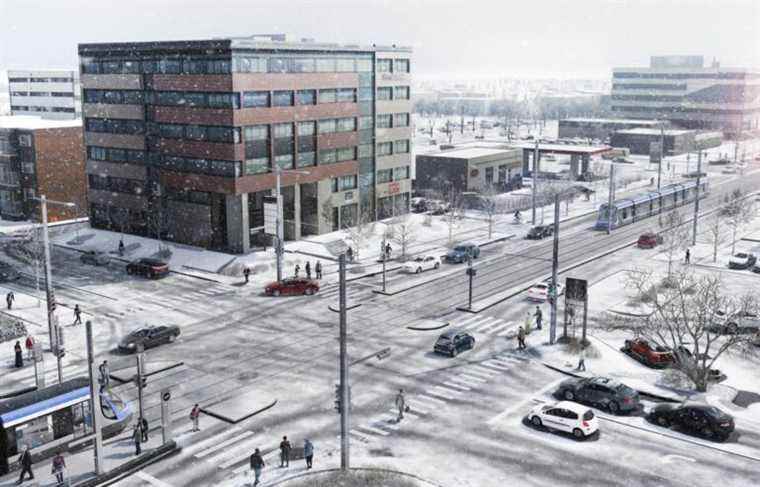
{"points": [[50, 94], [645, 141], [683, 90], [467, 169], [37, 157], [183, 138]]}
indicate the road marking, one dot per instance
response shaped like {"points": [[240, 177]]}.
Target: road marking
{"points": [[441, 392], [482, 372], [454, 385], [483, 325], [473, 378], [504, 363], [524, 404], [373, 430], [359, 435], [218, 446], [416, 412], [462, 323], [493, 364], [498, 323], [669, 458], [208, 441], [503, 328], [388, 423], [241, 452], [151, 479], [434, 401]]}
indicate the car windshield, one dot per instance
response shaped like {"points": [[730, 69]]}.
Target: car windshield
{"points": [[418, 259], [460, 249], [444, 339], [714, 412], [541, 286], [141, 332], [741, 256]]}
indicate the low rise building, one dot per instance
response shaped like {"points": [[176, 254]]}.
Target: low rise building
{"points": [[600, 128], [467, 169], [645, 141]]}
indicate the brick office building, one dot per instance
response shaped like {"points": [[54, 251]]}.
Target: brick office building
{"points": [[41, 157], [182, 137]]}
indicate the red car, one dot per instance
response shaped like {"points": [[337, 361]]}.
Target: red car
{"points": [[642, 351], [291, 287], [649, 240]]}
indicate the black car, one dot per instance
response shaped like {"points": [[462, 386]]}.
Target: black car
{"points": [[699, 419], [601, 392], [454, 341], [8, 273], [148, 337], [152, 268], [540, 231]]}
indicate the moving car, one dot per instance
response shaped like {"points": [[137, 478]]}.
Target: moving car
{"points": [[540, 291], [8, 273], [756, 268], [600, 392], [148, 337], [419, 205], [292, 287], [566, 416], [422, 263], [462, 252], [454, 341], [741, 260], [648, 240], [95, 257], [152, 268], [700, 419], [540, 231], [436, 207], [641, 350]]}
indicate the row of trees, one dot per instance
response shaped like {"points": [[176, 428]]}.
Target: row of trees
{"points": [[540, 108]]}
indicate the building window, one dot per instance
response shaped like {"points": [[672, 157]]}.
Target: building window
{"points": [[257, 166], [401, 120], [365, 150], [400, 173], [401, 147], [306, 128], [365, 123], [346, 95], [303, 65], [328, 96], [384, 121], [401, 93], [384, 65], [347, 124], [328, 156], [306, 159], [255, 99], [325, 65], [346, 154], [344, 183], [366, 94], [385, 93], [327, 126], [345, 66], [489, 175], [306, 97], [384, 176], [282, 99], [249, 65], [400, 65], [364, 65], [256, 132], [384, 149], [284, 161], [283, 130]]}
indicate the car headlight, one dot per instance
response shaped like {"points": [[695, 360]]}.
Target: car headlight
{"points": [[130, 345]]}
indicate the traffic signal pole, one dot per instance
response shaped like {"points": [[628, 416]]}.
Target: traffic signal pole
{"points": [[98, 444], [555, 267], [345, 406]]}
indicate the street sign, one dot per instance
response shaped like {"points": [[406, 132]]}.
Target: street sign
{"points": [[166, 395], [576, 289], [166, 420], [471, 271], [270, 214]]}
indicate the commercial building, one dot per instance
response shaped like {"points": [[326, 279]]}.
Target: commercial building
{"points": [[50, 94], [681, 89], [183, 138], [467, 169], [39, 157], [647, 141], [600, 128]]}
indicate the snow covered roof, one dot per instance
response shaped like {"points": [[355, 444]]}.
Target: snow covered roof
{"points": [[471, 153], [29, 122], [646, 131]]}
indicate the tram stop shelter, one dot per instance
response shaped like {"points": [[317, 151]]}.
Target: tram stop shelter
{"points": [[578, 154]]}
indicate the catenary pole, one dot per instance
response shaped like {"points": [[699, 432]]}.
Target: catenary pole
{"points": [[611, 198], [697, 196], [534, 177], [345, 399], [555, 267], [98, 446], [280, 224]]}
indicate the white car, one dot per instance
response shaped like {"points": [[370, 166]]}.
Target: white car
{"points": [[566, 416], [422, 263], [540, 291]]}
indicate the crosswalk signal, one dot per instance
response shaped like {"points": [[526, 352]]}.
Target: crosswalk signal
{"points": [[338, 398], [144, 381]]}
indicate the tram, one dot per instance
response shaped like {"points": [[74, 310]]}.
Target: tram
{"points": [[55, 417], [635, 208]]}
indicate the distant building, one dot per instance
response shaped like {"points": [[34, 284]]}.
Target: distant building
{"points": [[467, 169], [645, 141], [681, 89], [50, 94], [600, 128], [39, 157]]}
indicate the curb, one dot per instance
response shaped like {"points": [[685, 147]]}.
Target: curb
{"points": [[419, 328], [128, 468], [366, 469]]}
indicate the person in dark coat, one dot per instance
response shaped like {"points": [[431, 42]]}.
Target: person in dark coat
{"points": [[257, 464], [687, 259], [247, 274], [19, 355], [318, 270], [136, 437], [298, 269], [25, 460], [77, 315], [388, 250], [121, 247], [350, 254], [10, 298], [285, 448], [144, 429], [59, 466], [521, 338], [308, 269], [539, 316], [308, 452]]}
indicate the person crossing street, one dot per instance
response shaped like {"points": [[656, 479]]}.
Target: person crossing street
{"points": [[25, 460], [308, 452], [77, 315], [539, 316], [247, 274], [318, 270], [195, 414], [9, 299], [58, 469], [257, 465], [285, 448], [400, 405], [298, 269], [308, 269], [521, 338]]}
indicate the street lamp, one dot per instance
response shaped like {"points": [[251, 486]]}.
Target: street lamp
{"points": [[280, 217]]}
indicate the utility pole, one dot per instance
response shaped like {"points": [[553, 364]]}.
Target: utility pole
{"points": [[280, 224], [534, 177], [662, 154], [555, 266], [696, 198], [140, 363], [471, 274], [345, 396], [611, 197], [98, 445], [50, 296], [385, 255]]}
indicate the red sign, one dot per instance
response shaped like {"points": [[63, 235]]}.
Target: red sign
{"points": [[394, 187]]}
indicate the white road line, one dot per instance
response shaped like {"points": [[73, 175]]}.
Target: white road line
{"points": [[494, 364], [441, 392], [473, 378], [151, 479], [209, 441], [504, 363], [359, 435], [462, 323], [388, 423], [482, 372], [218, 446], [430, 400], [371, 430], [483, 325], [454, 385], [416, 412], [501, 328], [241, 452], [498, 323], [524, 404]]}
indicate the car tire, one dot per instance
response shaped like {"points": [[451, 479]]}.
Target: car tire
{"points": [[536, 421], [662, 421], [437, 265], [309, 291], [455, 352], [419, 269], [613, 407], [578, 434], [130, 271], [568, 395], [172, 338], [276, 293]]}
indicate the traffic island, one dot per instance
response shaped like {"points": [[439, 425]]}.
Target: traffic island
{"points": [[427, 325], [131, 466], [368, 477]]}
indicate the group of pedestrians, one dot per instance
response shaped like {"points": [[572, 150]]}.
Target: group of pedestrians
{"points": [[58, 467], [140, 434], [258, 464], [523, 331], [307, 268]]}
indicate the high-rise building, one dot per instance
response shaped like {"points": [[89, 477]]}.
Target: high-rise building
{"points": [[41, 157], [50, 94], [683, 90], [183, 138]]}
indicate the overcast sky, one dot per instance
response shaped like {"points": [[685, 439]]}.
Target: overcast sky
{"points": [[516, 38]]}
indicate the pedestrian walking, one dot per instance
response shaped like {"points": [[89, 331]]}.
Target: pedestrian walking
{"points": [[539, 317], [19, 355], [10, 298], [350, 254], [59, 467], [285, 448], [308, 269], [308, 452], [582, 360], [105, 374], [257, 464], [247, 274], [400, 404], [136, 437], [520, 338], [528, 322], [318, 270], [194, 416], [121, 247], [25, 460], [144, 429], [298, 269], [388, 250], [77, 315], [29, 347], [687, 258]]}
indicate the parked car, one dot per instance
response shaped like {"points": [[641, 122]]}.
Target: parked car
{"points": [[462, 252], [641, 350], [148, 337], [700, 419], [292, 287], [566, 416], [8, 273], [152, 268], [436, 207], [540, 231], [600, 392], [756, 268], [540, 291], [741, 323], [648, 240], [622, 160], [422, 263], [454, 341], [95, 257], [741, 260], [418, 205]]}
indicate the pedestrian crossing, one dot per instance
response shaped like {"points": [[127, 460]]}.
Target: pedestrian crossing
{"points": [[488, 325]]}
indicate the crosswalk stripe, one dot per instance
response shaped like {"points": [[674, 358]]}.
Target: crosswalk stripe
{"points": [[454, 385], [218, 446], [387, 423], [209, 441], [472, 378], [434, 401], [508, 360], [151, 479], [496, 323], [240, 452], [463, 323], [375, 431], [482, 371], [246, 466], [502, 362], [481, 324], [416, 412], [358, 434], [441, 392], [495, 365], [501, 328]]}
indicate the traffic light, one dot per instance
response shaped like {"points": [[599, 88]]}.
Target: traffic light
{"points": [[338, 398], [144, 381]]}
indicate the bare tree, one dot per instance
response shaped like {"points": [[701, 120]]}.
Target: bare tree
{"points": [[674, 235], [688, 318], [453, 215], [739, 211], [715, 233], [492, 206], [404, 233], [359, 229]]}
